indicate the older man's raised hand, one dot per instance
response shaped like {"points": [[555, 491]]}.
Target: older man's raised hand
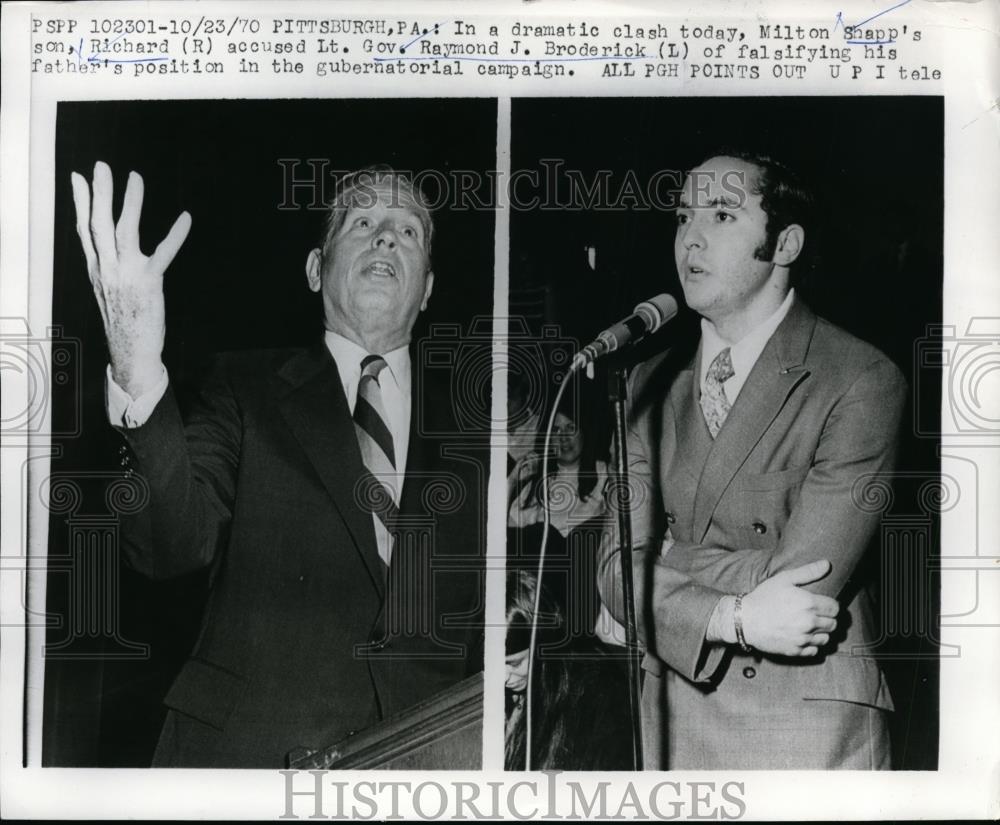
{"points": [[127, 284]]}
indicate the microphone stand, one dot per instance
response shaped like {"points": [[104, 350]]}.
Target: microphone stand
{"points": [[617, 395]]}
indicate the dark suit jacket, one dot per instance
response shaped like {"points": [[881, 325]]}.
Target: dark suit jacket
{"points": [[303, 640], [785, 482]]}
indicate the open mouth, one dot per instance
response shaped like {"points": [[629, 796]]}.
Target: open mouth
{"points": [[380, 269]]}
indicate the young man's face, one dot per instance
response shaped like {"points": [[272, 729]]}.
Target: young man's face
{"points": [[720, 225]]}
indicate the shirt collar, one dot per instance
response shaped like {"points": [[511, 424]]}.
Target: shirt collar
{"points": [[745, 352], [349, 356]]}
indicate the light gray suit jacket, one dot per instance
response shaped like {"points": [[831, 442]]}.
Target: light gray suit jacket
{"points": [[786, 481]]}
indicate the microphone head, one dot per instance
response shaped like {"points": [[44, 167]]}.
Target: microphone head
{"points": [[656, 311]]}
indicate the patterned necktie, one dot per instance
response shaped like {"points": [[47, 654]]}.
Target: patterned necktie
{"points": [[714, 404], [379, 490]]}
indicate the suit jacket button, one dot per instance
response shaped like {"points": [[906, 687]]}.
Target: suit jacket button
{"points": [[749, 672], [671, 518], [759, 528]]}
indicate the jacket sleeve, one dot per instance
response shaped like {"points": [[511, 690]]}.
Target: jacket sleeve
{"points": [[673, 609], [831, 518], [191, 476]]}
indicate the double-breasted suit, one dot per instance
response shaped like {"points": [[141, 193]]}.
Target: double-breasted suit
{"points": [[786, 481], [306, 637]]}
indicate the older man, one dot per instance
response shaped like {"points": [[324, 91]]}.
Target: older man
{"points": [[338, 597], [755, 449]]}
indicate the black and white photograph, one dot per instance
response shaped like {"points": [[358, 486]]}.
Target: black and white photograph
{"points": [[272, 484], [560, 410], [781, 530]]}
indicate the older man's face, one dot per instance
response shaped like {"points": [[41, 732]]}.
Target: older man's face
{"points": [[375, 272]]}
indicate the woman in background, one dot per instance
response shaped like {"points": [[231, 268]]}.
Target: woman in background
{"points": [[577, 482], [577, 477]]}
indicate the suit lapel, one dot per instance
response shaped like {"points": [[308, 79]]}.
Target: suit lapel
{"points": [[778, 371], [693, 438], [423, 456], [316, 410], [418, 461]]}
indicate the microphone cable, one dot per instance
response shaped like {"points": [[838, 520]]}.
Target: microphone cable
{"points": [[546, 523]]}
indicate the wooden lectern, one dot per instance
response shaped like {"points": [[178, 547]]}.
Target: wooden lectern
{"points": [[444, 732]]}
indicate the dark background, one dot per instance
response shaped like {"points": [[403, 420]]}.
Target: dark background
{"points": [[237, 283], [876, 165]]}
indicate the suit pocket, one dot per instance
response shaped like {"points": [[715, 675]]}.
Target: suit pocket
{"points": [[844, 678], [206, 692]]}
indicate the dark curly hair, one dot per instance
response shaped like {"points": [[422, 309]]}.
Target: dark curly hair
{"points": [[578, 721], [785, 197]]}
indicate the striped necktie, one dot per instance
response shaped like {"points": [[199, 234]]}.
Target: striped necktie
{"points": [[714, 404], [379, 494]]}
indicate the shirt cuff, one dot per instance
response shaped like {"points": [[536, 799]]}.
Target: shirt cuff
{"points": [[721, 627], [127, 412]]}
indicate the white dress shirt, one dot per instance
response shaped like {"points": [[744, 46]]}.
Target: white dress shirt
{"points": [[744, 353], [128, 412], [396, 384]]}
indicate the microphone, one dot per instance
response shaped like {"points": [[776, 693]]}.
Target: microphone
{"points": [[646, 319]]}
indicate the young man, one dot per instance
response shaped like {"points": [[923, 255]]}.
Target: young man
{"points": [[755, 451]]}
